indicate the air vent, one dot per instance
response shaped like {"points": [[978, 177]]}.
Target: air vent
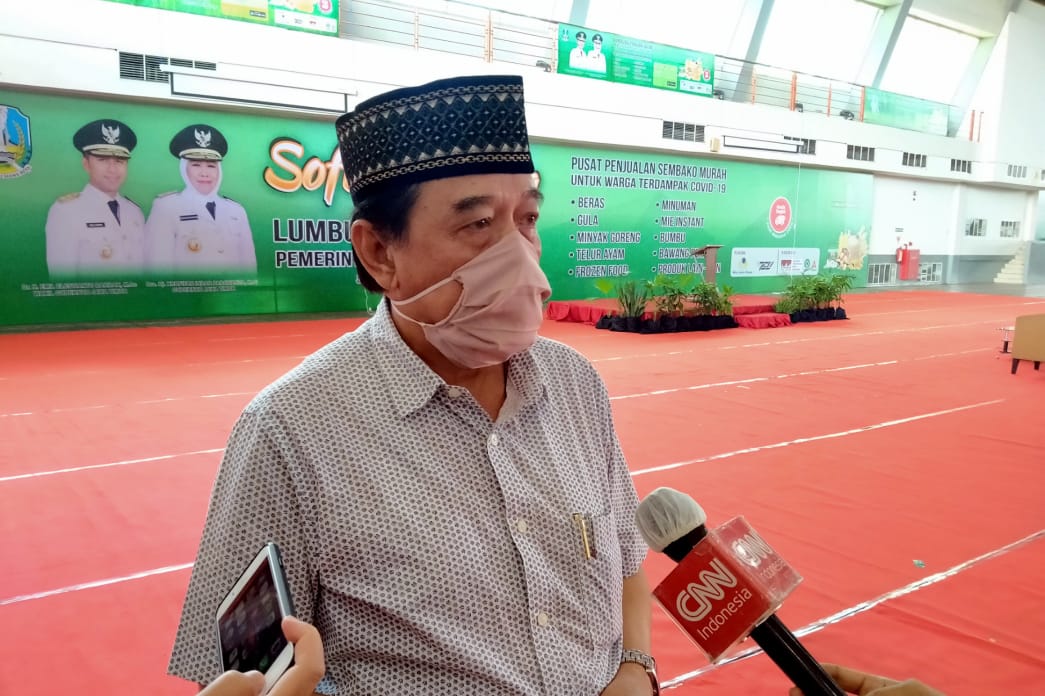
{"points": [[153, 73], [1017, 171], [676, 130], [137, 66], [859, 153], [132, 66], [963, 166], [911, 159], [805, 146]]}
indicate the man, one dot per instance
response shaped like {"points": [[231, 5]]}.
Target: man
{"points": [[197, 229], [97, 232], [447, 488], [578, 56]]}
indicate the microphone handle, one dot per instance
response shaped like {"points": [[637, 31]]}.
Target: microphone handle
{"points": [[783, 648]]}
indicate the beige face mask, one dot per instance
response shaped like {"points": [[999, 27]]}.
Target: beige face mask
{"points": [[500, 308]]}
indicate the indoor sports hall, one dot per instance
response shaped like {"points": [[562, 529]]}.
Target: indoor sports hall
{"points": [[807, 263]]}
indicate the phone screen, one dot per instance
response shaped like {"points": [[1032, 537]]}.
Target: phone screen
{"points": [[251, 628]]}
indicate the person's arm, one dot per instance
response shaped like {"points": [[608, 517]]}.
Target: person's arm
{"points": [[638, 612], [864, 684], [631, 678], [259, 496]]}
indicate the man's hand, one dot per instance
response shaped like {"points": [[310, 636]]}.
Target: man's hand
{"points": [[631, 680], [299, 680], [863, 684]]}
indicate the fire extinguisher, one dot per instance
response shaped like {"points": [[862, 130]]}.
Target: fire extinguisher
{"points": [[899, 254]]}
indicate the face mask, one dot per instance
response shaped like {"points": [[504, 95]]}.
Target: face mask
{"points": [[500, 308]]}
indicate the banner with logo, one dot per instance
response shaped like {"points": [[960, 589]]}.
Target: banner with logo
{"points": [[604, 56], [260, 225], [317, 16], [615, 214]]}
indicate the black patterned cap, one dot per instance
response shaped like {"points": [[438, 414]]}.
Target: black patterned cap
{"points": [[199, 142], [105, 138], [453, 127]]}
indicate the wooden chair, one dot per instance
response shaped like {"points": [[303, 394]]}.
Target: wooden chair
{"points": [[1028, 340]]}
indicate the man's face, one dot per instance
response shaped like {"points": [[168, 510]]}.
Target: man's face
{"points": [[581, 39], [203, 176], [596, 46], [106, 173], [453, 221]]}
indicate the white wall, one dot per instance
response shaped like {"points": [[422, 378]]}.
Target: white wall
{"points": [[924, 209], [978, 17], [992, 205], [1011, 94]]}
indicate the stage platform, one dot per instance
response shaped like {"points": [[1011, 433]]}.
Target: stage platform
{"points": [[750, 311]]}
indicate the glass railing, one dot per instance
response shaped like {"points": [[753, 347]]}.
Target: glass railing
{"points": [[494, 35]]}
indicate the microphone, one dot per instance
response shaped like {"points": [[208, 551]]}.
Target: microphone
{"points": [[672, 523]]}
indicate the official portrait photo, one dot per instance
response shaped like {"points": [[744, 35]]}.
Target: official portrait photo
{"points": [[97, 232], [197, 230]]}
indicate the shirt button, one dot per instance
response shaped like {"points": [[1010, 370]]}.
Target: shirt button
{"points": [[542, 619], [454, 392], [493, 439], [522, 526]]}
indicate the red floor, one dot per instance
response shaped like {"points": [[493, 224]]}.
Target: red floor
{"points": [[872, 453]]}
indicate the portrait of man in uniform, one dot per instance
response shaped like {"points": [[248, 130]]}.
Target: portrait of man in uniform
{"points": [[98, 232], [197, 230]]}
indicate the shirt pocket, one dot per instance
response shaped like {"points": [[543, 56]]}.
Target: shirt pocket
{"points": [[606, 582]]}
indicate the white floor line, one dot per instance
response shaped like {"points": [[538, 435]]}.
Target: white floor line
{"points": [[95, 407], [254, 338], [840, 616], [91, 585], [814, 438], [108, 465], [785, 342], [805, 373]]}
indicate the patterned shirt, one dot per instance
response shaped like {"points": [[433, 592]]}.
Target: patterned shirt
{"points": [[436, 550]]}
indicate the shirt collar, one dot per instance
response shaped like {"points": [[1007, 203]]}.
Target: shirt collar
{"points": [[412, 384], [90, 190]]}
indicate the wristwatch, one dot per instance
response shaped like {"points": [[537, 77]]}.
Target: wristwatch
{"points": [[648, 664]]}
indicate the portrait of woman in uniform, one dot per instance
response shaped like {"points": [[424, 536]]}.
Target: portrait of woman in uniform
{"points": [[197, 230], [98, 232]]}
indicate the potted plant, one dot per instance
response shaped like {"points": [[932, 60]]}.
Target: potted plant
{"points": [[632, 298]]}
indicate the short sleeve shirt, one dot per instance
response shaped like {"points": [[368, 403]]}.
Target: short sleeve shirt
{"points": [[438, 551]]}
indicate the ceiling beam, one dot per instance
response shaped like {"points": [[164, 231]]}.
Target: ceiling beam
{"points": [[883, 43]]}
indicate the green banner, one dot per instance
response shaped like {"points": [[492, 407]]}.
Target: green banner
{"points": [[605, 56], [617, 213], [274, 237], [318, 16], [910, 113]]}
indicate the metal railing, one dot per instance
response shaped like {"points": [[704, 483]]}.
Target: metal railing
{"points": [[494, 35]]}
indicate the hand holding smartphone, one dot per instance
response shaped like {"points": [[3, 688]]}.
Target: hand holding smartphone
{"points": [[249, 619]]}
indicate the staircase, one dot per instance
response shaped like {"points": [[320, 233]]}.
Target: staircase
{"points": [[1015, 271]]}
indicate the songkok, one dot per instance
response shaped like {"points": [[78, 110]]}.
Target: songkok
{"points": [[454, 127], [199, 142], [105, 138]]}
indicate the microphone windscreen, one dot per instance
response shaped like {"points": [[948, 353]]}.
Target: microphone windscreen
{"points": [[666, 515]]}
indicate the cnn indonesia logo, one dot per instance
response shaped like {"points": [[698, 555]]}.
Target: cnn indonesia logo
{"points": [[695, 602], [724, 592]]}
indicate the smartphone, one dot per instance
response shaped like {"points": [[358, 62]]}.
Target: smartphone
{"points": [[249, 619]]}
